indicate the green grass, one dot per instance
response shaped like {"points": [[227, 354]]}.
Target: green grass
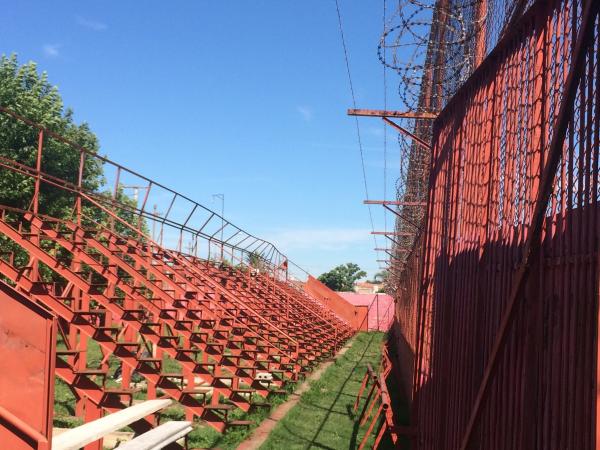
{"points": [[324, 416], [322, 419], [64, 400], [64, 406], [205, 437], [201, 437]]}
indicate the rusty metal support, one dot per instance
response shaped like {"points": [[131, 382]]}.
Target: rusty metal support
{"points": [[392, 233], [404, 131], [393, 203], [391, 255], [377, 401], [386, 113], [403, 217], [38, 168]]}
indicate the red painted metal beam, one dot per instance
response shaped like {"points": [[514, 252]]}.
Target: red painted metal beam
{"points": [[411, 135], [393, 202], [392, 233], [386, 113]]}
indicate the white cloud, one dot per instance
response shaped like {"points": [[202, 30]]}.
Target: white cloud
{"points": [[51, 50], [305, 112], [319, 239], [91, 24]]}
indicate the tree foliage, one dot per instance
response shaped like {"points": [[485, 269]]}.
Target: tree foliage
{"points": [[29, 94], [124, 207], [342, 278], [380, 277], [256, 261]]}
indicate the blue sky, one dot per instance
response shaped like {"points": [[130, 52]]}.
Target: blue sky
{"points": [[245, 98]]}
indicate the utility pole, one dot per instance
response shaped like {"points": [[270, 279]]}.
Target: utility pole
{"points": [[222, 198], [136, 190]]}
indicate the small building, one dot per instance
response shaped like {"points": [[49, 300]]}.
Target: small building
{"points": [[366, 287], [380, 313]]}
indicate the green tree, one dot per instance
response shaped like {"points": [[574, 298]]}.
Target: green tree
{"points": [[26, 92], [256, 261], [342, 278], [124, 207], [29, 94], [380, 277]]}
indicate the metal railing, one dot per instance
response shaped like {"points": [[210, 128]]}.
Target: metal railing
{"points": [[170, 218]]}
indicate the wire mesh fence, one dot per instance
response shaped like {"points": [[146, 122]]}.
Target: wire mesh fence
{"points": [[507, 298]]}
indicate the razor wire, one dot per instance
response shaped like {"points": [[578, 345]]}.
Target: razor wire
{"points": [[432, 46]]}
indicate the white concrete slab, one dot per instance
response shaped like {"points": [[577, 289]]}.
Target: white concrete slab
{"points": [[78, 437], [159, 437]]}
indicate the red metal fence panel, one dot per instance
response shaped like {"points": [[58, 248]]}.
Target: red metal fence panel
{"points": [[493, 150], [27, 355], [404, 327]]}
